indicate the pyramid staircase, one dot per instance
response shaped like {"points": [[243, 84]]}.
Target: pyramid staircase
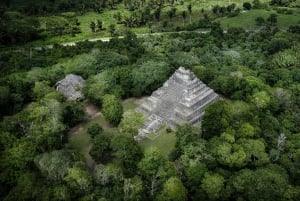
{"points": [[182, 99]]}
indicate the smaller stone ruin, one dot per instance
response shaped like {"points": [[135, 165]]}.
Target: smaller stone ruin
{"points": [[182, 99], [71, 87]]}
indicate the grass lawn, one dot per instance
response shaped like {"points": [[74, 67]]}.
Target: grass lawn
{"points": [[129, 104], [165, 143], [246, 20], [81, 140]]}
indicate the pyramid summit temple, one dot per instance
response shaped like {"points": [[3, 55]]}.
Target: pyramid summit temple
{"points": [[182, 99]]}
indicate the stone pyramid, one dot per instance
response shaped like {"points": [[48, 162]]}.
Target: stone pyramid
{"points": [[182, 99]]}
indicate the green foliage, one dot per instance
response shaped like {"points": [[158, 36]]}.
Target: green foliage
{"points": [[269, 183], [112, 109], [73, 113], [216, 119], [133, 188], [228, 153], [261, 99], [255, 152], [194, 173], [46, 129], [184, 135], [174, 190], [149, 76], [127, 152], [213, 185], [54, 165], [60, 25], [16, 159], [99, 85], [247, 6], [257, 70], [131, 122], [78, 180], [107, 174], [101, 150], [288, 58], [94, 130], [151, 163], [4, 98], [41, 89], [17, 28]]}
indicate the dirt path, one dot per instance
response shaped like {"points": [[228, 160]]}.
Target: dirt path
{"points": [[92, 112]]}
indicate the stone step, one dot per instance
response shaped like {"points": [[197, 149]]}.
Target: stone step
{"points": [[189, 113], [202, 107], [190, 101]]}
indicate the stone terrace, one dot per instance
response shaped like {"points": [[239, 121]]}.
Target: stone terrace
{"points": [[182, 99]]}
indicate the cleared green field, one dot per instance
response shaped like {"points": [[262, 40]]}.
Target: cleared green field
{"points": [[107, 17], [130, 104], [165, 143], [81, 140], [246, 20]]}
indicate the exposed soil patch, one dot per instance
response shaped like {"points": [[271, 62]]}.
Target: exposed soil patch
{"points": [[91, 110]]}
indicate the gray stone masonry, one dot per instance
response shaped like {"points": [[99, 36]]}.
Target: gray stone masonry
{"points": [[182, 99], [71, 87]]}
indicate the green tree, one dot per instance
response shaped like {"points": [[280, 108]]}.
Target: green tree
{"points": [[184, 136], [112, 29], [155, 169], [16, 160], [246, 130], [227, 152], [127, 152], [173, 190], [94, 130], [54, 165], [255, 152], [183, 14], [101, 151], [133, 189], [272, 19], [78, 180], [213, 185], [46, 129], [216, 30], [107, 174], [247, 6], [112, 109], [260, 21], [157, 14], [93, 26], [17, 28], [257, 4], [131, 122], [268, 183], [73, 113], [99, 25], [4, 99], [194, 173], [261, 99], [149, 76], [189, 7], [216, 119], [40, 89]]}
